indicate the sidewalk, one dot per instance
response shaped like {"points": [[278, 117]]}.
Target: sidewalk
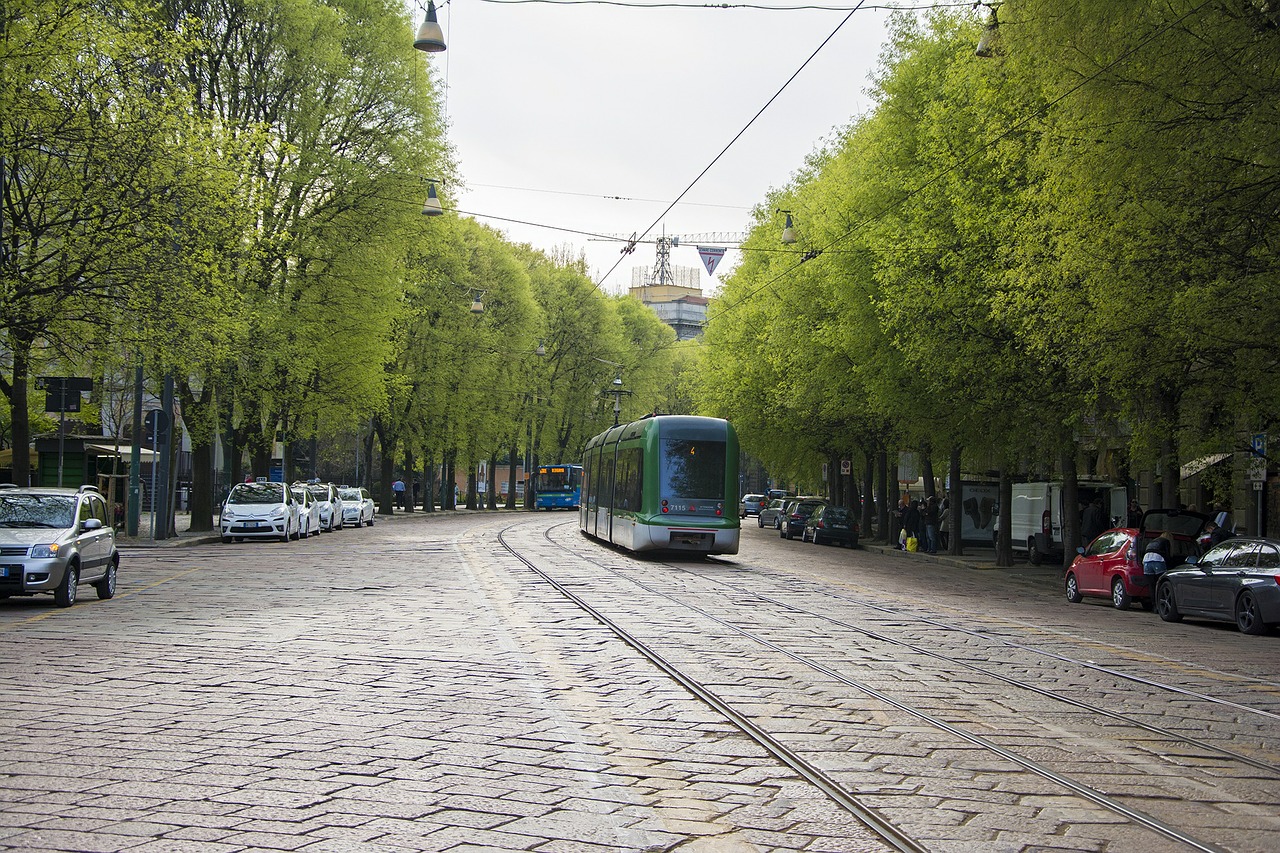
{"points": [[975, 557], [186, 536]]}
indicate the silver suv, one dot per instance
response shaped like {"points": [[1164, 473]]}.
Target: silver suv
{"points": [[53, 540]]}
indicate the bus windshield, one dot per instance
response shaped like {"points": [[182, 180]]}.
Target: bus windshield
{"points": [[559, 478]]}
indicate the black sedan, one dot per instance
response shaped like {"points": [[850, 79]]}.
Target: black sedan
{"points": [[1236, 581], [830, 523], [791, 523]]}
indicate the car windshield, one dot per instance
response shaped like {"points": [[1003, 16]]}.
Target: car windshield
{"points": [[257, 493], [350, 494], [299, 495], [320, 493], [57, 511]]}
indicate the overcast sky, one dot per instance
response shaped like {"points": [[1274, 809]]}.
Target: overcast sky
{"points": [[594, 118]]}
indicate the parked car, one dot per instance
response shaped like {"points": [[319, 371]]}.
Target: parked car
{"points": [[357, 506], [326, 494], [768, 517], [751, 505], [1111, 565], [791, 523], [53, 540], [830, 523], [1236, 581], [259, 510], [308, 512]]}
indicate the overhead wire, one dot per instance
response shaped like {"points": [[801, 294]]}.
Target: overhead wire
{"points": [[735, 138]]}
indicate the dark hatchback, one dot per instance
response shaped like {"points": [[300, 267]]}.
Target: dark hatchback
{"points": [[831, 524], [1236, 581], [791, 524]]}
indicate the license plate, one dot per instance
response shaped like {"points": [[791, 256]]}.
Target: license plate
{"points": [[5, 570], [251, 524]]}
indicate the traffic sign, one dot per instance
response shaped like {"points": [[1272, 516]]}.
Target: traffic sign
{"points": [[62, 393]]}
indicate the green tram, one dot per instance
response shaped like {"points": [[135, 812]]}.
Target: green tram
{"points": [[666, 482]]}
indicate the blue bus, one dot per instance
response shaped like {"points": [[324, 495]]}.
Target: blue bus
{"points": [[557, 486]]}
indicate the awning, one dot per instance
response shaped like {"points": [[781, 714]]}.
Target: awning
{"points": [[123, 452], [1195, 466]]}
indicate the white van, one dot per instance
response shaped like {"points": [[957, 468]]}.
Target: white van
{"points": [[1035, 515]]}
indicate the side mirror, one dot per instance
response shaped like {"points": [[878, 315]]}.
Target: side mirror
{"points": [[91, 524], [1191, 560]]}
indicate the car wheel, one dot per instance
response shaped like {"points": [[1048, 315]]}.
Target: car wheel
{"points": [[106, 587], [297, 534], [1033, 555], [1119, 595], [1073, 589], [759, 521], [288, 534], [1248, 617], [1166, 604], [226, 540], [65, 594], [371, 521]]}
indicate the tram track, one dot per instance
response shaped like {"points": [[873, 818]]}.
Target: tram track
{"points": [[845, 797]]}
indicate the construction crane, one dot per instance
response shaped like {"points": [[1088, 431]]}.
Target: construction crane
{"points": [[663, 272]]}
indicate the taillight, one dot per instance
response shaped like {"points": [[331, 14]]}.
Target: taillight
{"points": [[665, 508], [719, 509], [1046, 523]]}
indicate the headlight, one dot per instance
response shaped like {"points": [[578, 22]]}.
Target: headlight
{"points": [[228, 513], [279, 512], [45, 552]]}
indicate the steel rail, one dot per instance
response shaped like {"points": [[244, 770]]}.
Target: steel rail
{"points": [[846, 799], [1274, 769], [1091, 794]]}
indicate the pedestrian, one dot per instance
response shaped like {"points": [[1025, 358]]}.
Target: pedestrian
{"points": [[397, 489], [929, 519], [417, 489], [1155, 561], [1093, 523], [900, 520], [911, 523], [944, 524], [1134, 515]]}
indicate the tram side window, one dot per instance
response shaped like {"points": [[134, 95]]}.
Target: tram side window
{"points": [[693, 468], [588, 465], [606, 476], [629, 484]]}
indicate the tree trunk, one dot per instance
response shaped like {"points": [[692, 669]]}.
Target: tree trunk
{"points": [[492, 502], [410, 477], [21, 426], [1004, 549], [955, 522], [883, 497], [1070, 506], [449, 486], [867, 516], [202, 499], [511, 478], [471, 487], [926, 472]]}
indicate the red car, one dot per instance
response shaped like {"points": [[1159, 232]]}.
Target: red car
{"points": [[1111, 565]]}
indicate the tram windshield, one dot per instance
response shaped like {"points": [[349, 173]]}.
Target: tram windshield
{"points": [[693, 468]]}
